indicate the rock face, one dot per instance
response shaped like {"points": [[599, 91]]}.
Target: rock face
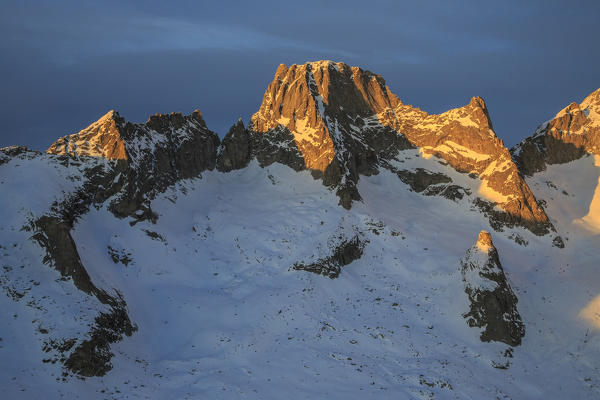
{"points": [[573, 133], [324, 105], [493, 304], [236, 150], [55, 237], [164, 150], [100, 139], [345, 122]]}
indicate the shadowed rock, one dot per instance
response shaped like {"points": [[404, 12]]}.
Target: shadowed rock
{"points": [[235, 151], [92, 356], [342, 254], [493, 304]]}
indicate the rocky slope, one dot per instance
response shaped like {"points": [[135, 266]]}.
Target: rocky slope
{"points": [[571, 134]]}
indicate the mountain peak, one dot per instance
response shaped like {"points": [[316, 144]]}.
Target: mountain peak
{"points": [[344, 121], [111, 114], [113, 138], [100, 139], [478, 102]]}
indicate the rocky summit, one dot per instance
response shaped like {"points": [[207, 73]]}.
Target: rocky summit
{"points": [[328, 245], [345, 122]]}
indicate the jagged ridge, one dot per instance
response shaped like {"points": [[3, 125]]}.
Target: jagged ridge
{"points": [[571, 134], [340, 122]]}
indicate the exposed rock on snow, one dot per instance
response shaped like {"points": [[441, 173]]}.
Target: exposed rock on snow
{"points": [[493, 304], [346, 251], [92, 356]]}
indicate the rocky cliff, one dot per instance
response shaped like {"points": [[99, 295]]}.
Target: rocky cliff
{"points": [[571, 134]]}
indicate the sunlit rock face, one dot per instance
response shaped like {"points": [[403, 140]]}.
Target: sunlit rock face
{"points": [[571, 134], [345, 122], [100, 139], [325, 107], [465, 139], [492, 303]]}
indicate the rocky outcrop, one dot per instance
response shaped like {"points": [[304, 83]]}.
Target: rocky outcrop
{"points": [[573, 133], [345, 122], [492, 303], [342, 254], [236, 149], [279, 146], [54, 236], [164, 150], [92, 356]]}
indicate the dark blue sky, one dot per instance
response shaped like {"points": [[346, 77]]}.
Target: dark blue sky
{"points": [[65, 63]]}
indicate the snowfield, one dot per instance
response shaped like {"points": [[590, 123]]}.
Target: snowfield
{"points": [[221, 314]]}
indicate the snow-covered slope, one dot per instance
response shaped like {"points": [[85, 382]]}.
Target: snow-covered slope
{"points": [[191, 269], [221, 313]]}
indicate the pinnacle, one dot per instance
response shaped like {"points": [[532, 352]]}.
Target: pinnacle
{"points": [[478, 102], [111, 114], [484, 241]]}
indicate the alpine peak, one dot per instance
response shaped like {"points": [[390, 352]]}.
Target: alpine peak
{"points": [[345, 121], [101, 139]]}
